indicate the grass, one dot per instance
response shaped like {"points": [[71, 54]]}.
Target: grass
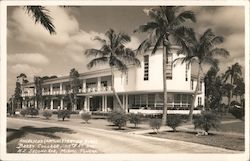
{"points": [[235, 127], [217, 140]]}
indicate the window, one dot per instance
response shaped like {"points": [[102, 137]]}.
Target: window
{"points": [[169, 66], [146, 67], [186, 72], [199, 101]]}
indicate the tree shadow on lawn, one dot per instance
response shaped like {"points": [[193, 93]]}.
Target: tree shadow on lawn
{"points": [[47, 132], [83, 122]]}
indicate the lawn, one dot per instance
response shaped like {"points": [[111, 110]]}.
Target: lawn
{"points": [[217, 140]]}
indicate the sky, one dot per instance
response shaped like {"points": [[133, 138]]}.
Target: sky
{"points": [[33, 51]]}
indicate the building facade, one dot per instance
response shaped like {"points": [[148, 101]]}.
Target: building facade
{"points": [[140, 89]]}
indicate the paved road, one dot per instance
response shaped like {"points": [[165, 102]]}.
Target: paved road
{"points": [[118, 142]]}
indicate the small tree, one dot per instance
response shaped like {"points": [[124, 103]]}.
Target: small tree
{"points": [[135, 119], [206, 120], [63, 114], [86, 116], [47, 114], [174, 121], [118, 118], [155, 124]]}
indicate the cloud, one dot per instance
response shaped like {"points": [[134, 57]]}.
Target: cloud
{"points": [[134, 43], [28, 58], [27, 30], [30, 71]]}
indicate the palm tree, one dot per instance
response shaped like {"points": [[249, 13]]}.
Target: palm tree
{"points": [[114, 53], [233, 73], [166, 25], [204, 51], [41, 14]]}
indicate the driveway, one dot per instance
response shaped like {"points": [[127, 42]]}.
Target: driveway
{"points": [[105, 141]]}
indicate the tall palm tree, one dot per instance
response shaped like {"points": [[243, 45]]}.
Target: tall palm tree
{"points": [[204, 51], [233, 73], [165, 29], [41, 15], [114, 53]]}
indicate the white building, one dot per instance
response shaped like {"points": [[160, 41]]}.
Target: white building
{"points": [[139, 89]]}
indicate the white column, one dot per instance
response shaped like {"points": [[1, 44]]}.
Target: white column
{"points": [[61, 88], [98, 83], [105, 104], [61, 103], [123, 101], [51, 104], [84, 85], [85, 103], [35, 104], [51, 89], [126, 103]]}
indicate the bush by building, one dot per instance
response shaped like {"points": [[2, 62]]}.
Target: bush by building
{"points": [[237, 112], [32, 111], [62, 114], [118, 118], [47, 114], [206, 120], [135, 119], [23, 112], [174, 121], [155, 124], [86, 116]]}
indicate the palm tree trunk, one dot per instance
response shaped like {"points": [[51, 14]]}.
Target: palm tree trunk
{"points": [[165, 99], [113, 88], [190, 115]]}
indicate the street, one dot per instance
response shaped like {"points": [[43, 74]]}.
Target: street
{"points": [[105, 141]]}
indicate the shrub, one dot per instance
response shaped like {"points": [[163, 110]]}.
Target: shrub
{"points": [[47, 114], [63, 114], [118, 118], [32, 111], [238, 113], [86, 116], [135, 119], [23, 112], [174, 121], [206, 120], [155, 124]]}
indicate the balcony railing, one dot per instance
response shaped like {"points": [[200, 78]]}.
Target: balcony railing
{"points": [[63, 92]]}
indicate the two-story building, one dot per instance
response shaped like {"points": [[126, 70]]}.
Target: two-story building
{"points": [[139, 89]]}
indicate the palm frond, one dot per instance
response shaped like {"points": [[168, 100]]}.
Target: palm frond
{"points": [[93, 52], [97, 61], [147, 27], [41, 15], [157, 44], [219, 52], [183, 16], [144, 46], [98, 38]]}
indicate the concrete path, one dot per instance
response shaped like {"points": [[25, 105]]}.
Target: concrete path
{"points": [[120, 142]]}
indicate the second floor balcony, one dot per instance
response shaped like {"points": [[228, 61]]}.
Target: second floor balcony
{"points": [[101, 89]]}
